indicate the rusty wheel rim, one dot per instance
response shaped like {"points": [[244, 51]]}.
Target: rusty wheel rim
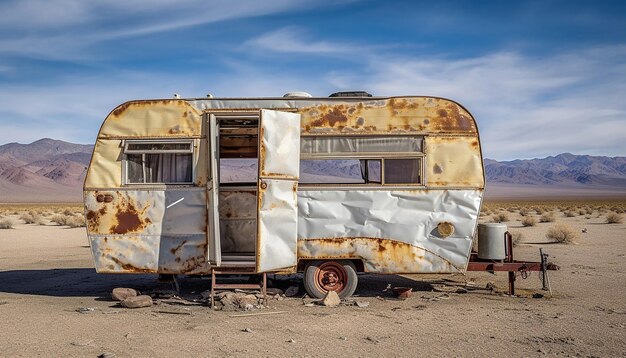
{"points": [[331, 276]]}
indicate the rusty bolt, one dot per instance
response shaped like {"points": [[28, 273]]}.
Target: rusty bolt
{"points": [[100, 198], [108, 198], [263, 185]]}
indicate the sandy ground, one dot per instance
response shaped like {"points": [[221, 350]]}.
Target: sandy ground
{"points": [[46, 275]]}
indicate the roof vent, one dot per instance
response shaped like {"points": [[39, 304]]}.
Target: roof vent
{"points": [[297, 95], [351, 94]]}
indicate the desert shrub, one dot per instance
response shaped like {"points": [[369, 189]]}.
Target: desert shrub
{"points": [[6, 224], [529, 221], [539, 211], [614, 218], [569, 213], [501, 217], [32, 218], [582, 212], [512, 209], [547, 217], [562, 233], [60, 219], [77, 220], [524, 212], [589, 211], [517, 238]]}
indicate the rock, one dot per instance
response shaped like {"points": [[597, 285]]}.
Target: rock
{"points": [[362, 304], [331, 299], [247, 330], [537, 295], [271, 291], [343, 338], [245, 300], [292, 291], [122, 293], [402, 292], [291, 341], [107, 355], [137, 302], [82, 343], [85, 310], [309, 305], [490, 286], [461, 290]]}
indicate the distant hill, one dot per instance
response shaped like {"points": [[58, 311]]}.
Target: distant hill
{"points": [[51, 170], [47, 170], [562, 175]]}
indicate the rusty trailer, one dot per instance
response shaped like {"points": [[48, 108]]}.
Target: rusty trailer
{"points": [[326, 186]]}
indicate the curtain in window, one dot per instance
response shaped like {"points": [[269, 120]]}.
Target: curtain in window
{"points": [[168, 168]]}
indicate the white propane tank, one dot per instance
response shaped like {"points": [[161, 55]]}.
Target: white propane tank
{"points": [[491, 243]]}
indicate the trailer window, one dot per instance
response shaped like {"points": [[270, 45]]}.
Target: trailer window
{"points": [[152, 162], [403, 171], [340, 171]]}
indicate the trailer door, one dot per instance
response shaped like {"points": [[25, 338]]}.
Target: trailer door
{"points": [[277, 209], [213, 226]]}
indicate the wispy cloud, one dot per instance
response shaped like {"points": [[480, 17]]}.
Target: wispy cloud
{"points": [[295, 40], [64, 29]]}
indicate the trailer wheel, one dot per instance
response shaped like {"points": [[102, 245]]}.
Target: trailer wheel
{"points": [[323, 276]]}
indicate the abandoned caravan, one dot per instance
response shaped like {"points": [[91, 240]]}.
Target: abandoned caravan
{"points": [[327, 186]]}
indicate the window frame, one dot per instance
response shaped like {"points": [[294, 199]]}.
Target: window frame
{"points": [[421, 156], [125, 152]]}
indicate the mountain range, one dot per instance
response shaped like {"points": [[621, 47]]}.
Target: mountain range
{"points": [[47, 170], [51, 170]]}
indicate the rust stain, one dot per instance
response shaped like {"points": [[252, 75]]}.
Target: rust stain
{"points": [[129, 267], [442, 113], [383, 255], [437, 169], [333, 116], [173, 250]]}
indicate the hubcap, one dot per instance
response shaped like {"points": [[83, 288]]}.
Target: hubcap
{"points": [[331, 276]]}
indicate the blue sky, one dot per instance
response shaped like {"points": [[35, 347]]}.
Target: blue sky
{"points": [[541, 77]]}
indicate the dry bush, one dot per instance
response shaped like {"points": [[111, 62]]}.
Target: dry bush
{"points": [[614, 218], [77, 220], [501, 217], [524, 212], [539, 211], [570, 213], [529, 221], [547, 217], [582, 212], [32, 218], [562, 233], [589, 211], [6, 224], [517, 238], [60, 219]]}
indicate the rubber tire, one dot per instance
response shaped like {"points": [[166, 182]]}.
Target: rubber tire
{"points": [[313, 291]]}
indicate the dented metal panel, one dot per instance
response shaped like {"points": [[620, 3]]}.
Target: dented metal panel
{"points": [[408, 217], [134, 231], [279, 166]]}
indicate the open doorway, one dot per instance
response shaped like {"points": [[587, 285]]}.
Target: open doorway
{"points": [[237, 190]]}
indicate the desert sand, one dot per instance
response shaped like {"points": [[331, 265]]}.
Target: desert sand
{"points": [[46, 278]]}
